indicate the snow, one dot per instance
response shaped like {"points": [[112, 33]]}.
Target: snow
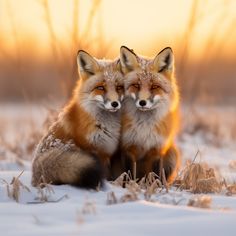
{"points": [[66, 217], [74, 211]]}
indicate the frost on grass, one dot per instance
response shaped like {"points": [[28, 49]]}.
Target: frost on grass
{"points": [[16, 190], [198, 178], [231, 189], [200, 201], [15, 187], [134, 190], [88, 208], [45, 193], [20, 134]]}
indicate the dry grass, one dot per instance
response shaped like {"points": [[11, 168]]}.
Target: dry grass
{"points": [[14, 187], [129, 196], [196, 178], [45, 193], [78, 40], [15, 149], [200, 202], [88, 208], [56, 73], [232, 164], [23, 145], [231, 189], [111, 198], [58, 67], [198, 15], [209, 185], [214, 125], [137, 189], [151, 185], [199, 178]]}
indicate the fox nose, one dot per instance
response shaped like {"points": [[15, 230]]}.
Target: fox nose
{"points": [[142, 103], [115, 104]]}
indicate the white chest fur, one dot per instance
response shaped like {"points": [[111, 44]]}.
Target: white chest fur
{"points": [[107, 133], [142, 131], [143, 135]]}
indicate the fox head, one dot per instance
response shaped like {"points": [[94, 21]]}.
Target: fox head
{"points": [[150, 83], [100, 84]]}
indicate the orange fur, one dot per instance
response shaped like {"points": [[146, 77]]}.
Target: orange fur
{"points": [[141, 82], [75, 151]]}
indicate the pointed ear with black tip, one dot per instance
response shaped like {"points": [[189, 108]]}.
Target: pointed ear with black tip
{"points": [[128, 59], [86, 63], [164, 61]]}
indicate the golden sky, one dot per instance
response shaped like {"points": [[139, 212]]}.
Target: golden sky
{"points": [[144, 25]]}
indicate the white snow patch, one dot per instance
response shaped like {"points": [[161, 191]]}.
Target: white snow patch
{"points": [[74, 211]]}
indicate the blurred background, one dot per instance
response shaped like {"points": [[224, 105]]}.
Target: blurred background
{"points": [[39, 40]]}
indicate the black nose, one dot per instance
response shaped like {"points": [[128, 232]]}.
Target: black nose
{"points": [[115, 104], [142, 103]]}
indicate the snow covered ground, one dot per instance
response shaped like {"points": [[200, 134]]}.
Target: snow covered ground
{"points": [[111, 210]]}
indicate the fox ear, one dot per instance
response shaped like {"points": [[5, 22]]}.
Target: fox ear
{"points": [[128, 59], [86, 63], [118, 65], [164, 61]]}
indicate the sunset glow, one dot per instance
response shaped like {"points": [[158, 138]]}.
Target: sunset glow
{"points": [[146, 26], [40, 39]]}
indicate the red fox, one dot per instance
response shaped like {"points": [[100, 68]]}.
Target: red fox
{"points": [[78, 146], [150, 114]]}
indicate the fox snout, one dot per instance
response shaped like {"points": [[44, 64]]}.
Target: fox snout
{"points": [[112, 99], [145, 104], [142, 103], [112, 106]]}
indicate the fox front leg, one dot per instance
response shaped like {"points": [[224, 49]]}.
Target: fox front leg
{"points": [[170, 163], [129, 158]]}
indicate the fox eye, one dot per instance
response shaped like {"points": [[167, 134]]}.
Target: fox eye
{"points": [[155, 86], [136, 86], [100, 88], [119, 87]]}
